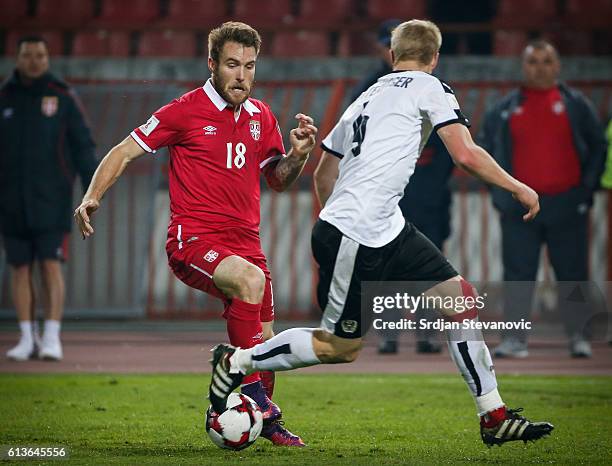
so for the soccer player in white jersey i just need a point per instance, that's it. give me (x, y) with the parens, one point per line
(361, 234)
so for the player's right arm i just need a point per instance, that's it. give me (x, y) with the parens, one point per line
(325, 176)
(110, 169)
(475, 160)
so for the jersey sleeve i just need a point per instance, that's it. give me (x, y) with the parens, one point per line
(441, 106)
(273, 148)
(334, 141)
(163, 128)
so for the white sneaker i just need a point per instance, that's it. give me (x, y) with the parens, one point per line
(23, 351)
(51, 349)
(511, 347)
(580, 348)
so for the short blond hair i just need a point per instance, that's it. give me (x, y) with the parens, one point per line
(416, 39)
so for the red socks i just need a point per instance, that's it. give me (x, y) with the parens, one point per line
(492, 418)
(244, 328)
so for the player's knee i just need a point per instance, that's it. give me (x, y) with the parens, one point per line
(251, 284)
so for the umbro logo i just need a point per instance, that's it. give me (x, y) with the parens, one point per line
(210, 130)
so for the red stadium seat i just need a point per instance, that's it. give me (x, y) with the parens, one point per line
(167, 44)
(55, 41)
(194, 13)
(101, 44)
(127, 13)
(526, 14)
(509, 43)
(63, 13)
(328, 12)
(384, 9)
(12, 12)
(590, 13)
(301, 44)
(263, 13)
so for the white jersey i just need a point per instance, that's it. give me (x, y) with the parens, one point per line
(379, 139)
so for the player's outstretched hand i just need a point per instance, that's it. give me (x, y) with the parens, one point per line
(529, 199)
(303, 137)
(82, 215)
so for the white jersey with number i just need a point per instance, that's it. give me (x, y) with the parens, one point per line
(379, 139)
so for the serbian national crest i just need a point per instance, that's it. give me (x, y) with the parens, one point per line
(255, 129)
(49, 106)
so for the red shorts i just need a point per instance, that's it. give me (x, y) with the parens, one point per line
(193, 259)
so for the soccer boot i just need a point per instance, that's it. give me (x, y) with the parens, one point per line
(279, 436)
(225, 378)
(256, 391)
(506, 425)
(51, 349)
(23, 351)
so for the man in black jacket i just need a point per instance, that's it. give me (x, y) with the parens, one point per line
(549, 136)
(44, 141)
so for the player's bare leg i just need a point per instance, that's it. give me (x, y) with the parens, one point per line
(243, 283)
(22, 291)
(498, 424)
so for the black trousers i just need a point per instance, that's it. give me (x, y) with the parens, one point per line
(564, 231)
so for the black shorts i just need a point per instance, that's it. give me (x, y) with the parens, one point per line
(344, 264)
(28, 247)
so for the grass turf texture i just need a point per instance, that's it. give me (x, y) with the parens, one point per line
(345, 419)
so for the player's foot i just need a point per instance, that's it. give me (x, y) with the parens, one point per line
(511, 347)
(255, 391)
(278, 435)
(51, 349)
(428, 347)
(387, 347)
(580, 347)
(23, 351)
(506, 425)
(225, 378)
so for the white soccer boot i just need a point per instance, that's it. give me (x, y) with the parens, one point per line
(23, 351)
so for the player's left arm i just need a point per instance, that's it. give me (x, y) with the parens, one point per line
(281, 175)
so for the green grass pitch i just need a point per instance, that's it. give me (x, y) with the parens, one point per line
(344, 419)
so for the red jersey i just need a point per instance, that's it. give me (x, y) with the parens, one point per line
(216, 156)
(543, 152)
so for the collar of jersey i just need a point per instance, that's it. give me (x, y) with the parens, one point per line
(221, 103)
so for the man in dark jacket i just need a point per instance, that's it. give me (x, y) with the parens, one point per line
(549, 136)
(44, 141)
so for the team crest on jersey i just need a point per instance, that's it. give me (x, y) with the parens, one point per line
(211, 256)
(49, 105)
(255, 129)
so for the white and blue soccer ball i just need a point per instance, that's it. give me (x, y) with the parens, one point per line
(238, 427)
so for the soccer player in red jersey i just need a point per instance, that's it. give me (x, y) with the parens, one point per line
(219, 141)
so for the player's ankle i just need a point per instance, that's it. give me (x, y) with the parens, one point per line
(494, 417)
(241, 360)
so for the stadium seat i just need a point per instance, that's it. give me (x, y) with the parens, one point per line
(517, 14)
(301, 44)
(263, 13)
(194, 13)
(384, 9)
(101, 44)
(55, 41)
(167, 44)
(590, 13)
(12, 12)
(127, 13)
(336, 12)
(509, 43)
(62, 13)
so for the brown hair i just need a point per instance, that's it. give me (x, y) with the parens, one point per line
(232, 31)
(416, 39)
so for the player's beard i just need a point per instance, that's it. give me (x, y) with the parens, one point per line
(225, 87)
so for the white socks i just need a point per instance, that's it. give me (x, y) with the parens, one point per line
(52, 330)
(27, 335)
(288, 350)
